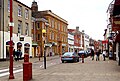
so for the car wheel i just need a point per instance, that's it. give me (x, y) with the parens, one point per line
(62, 61)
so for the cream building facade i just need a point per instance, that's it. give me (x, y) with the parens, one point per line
(21, 31)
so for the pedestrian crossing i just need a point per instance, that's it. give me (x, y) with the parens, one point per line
(5, 72)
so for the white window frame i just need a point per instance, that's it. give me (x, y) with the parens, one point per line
(26, 29)
(26, 13)
(8, 5)
(19, 10)
(20, 27)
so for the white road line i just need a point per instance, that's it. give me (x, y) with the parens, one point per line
(5, 70)
(41, 66)
(7, 73)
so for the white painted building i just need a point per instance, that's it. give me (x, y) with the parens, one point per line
(70, 42)
(86, 41)
(21, 31)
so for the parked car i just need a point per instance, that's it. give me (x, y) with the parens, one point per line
(84, 52)
(70, 56)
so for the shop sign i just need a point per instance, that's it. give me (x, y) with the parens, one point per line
(21, 38)
(105, 41)
(116, 24)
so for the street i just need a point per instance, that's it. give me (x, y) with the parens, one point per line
(89, 71)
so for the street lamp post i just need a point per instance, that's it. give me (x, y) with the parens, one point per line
(11, 76)
(44, 39)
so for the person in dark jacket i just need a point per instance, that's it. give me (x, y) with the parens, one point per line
(98, 54)
(92, 54)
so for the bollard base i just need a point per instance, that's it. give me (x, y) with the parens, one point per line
(26, 71)
(11, 77)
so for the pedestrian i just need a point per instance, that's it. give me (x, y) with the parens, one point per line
(92, 54)
(97, 55)
(19, 53)
(14, 53)
(104, 54)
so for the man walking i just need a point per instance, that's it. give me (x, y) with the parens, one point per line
(104, 54)
(97, 55)
(92, 54)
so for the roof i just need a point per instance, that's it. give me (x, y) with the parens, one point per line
(22, 4)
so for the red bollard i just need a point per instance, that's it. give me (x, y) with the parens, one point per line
(27, 68)
(82, 58)
(25, 71)
(30, 70)
(26, 57)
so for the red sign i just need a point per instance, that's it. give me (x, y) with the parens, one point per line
(117, 2)
(116, 24)
(105, 41)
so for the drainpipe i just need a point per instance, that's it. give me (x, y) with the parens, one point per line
(3, 29)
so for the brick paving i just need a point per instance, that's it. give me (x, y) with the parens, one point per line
(4, 64)
(89, 71)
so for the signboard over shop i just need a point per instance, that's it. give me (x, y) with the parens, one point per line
(116, 24)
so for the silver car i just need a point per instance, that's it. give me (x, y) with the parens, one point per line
(70, 56)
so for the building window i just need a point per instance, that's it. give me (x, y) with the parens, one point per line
(8, 27)
(52, 23)
(20, 27)
(26, 29)
(58, 26)
(19, 10)
(55, 24)
(26, 13)
(32, 25)
(8, 5)
(38, 25)
(38, 37)
(43, 26)
(32, 37)
(52, 36)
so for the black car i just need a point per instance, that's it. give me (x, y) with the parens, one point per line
(70, 56)
(85, 53)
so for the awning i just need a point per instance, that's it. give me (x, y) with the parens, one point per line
(104, 41)
(63, 44)
(26, 45)
(19, 44)
(48, 45)
(34, 44)
(8, 43)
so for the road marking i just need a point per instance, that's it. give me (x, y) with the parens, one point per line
(5, 70)
(7, 73)
(41, 66)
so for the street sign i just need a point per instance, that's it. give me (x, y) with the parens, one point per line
(21, 38)
(116, 24)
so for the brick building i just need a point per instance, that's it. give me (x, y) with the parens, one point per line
(56, 31)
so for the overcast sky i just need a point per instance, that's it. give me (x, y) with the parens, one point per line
(89, 15)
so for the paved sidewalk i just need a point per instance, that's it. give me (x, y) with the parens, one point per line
(88, 71)
(5, 64)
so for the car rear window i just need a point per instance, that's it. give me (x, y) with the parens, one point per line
(68, 54)
(81, 52)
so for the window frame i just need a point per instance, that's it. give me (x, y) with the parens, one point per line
(19, 10)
